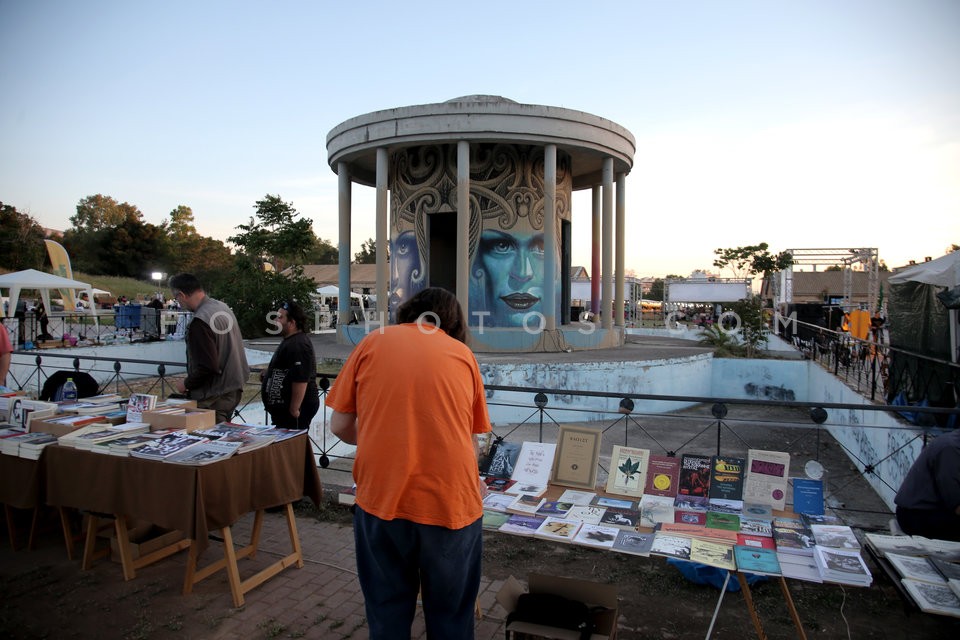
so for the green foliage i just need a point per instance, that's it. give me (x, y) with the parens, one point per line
(253, 293)
(656, 290)
(21, 240)
(755, 259)
(367, 253)
(724, 344)
(322, 252)
(100, 212)
(753, 330)
(275, 235)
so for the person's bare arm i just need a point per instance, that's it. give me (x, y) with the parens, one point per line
(344, 426)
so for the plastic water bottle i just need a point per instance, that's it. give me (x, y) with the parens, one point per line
(70, 390)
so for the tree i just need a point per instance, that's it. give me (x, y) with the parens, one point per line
(274, 235)
(254, 294)
(322, 252)
(754, 259)
(656, 290)
(190, 252)
(21, 240)
(98, 212)
(367, 253)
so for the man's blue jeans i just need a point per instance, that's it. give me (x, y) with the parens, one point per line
(396, 559)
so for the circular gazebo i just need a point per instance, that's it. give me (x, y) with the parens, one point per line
(480, 191)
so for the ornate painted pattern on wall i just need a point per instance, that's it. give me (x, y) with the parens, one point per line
(505, 231)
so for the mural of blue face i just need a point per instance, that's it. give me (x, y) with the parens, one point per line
(509, 277)
(406, 270)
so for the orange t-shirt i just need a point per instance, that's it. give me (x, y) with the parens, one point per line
(419, 399)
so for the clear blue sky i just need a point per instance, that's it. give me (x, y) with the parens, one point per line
(813, 124)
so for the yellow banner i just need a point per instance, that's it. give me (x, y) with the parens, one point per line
(61, 267)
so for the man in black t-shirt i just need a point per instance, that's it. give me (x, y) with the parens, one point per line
(289, 386)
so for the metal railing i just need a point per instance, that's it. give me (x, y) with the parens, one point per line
(726, 423)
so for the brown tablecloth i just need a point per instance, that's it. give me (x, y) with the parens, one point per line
(21, 482)
(192, 499)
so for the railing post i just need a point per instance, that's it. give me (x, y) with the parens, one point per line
(719, 411)
(541, 401)
(626, 408)
(116, 376)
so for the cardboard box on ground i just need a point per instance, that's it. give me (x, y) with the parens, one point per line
(593, 594)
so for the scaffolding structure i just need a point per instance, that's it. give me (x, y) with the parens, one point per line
(847, 259)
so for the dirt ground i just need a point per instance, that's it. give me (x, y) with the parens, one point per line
(43, 595)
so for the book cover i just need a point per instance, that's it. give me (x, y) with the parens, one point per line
(687, 516)
(916, 568)
(620, 518)
(577, 457)
(166, 446)
(493, 520)
(807, 496)
(792, 536)
(694, 479)
(628, 471)
(554, 508)
(593, 535)
(696, 531)
(840, 565)
(933, 598)
(757, 510)
(529, 488)
(837, 536)
(765, 481)
(498, 485)
(498, 501)
(526, 504)
(204, 453)
(714, 554)
(949, 570)
(756, 560)
(663, 474)
(502, 459)
(557, 529)
(726, 481)
(798, 567)
(724, 521)
(586, 513)
(756, 526)
(521, 524)
(759, 542)
(616, 503)
(577, 497)
(534, 463)
(671, 546)
(633, 543)
(656, 509)
(138, 403)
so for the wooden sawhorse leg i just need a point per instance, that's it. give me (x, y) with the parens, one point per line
(127, 562)
(231, 554)
(787, 598)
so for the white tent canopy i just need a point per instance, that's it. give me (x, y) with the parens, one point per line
(942, 272)
(40, 281)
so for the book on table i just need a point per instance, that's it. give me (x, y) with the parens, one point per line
(138, 403)
(757, 560)
(493, 520)
(501, 459)
(121, 446)
(166, 446)
(842, 566)
(916, 568)
(807, 496)
(694, 481)
(628, 471)
(554, 508)
(838, 536)
(11, 446)
(498, 502)
(526, 504)
(799, 567)
(698, 531)
(723, 520)
(711, 553)
(933, 598)
(96, 430)
(498, 485)
(633, 543)
(87, 440)
(656, 509)
(689, 516)
(671, 546)
(756, 526)
(204, 453)
(577, 497)
(522, 524)
(588, 514)
(765, 478)
(757, 542)
(621, 518)
(32, 449)
(792, 536)
(534, 465)
(596, 535)
(248, 441)
(663, 476)
(726, 481)
(557, 529)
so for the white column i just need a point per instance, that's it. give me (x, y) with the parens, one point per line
(549, 302)
(382, 238)
(595, 250)
(618, 272)
(606, 310)
(343, 261)
(463, 225)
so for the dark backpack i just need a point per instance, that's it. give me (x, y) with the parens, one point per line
(554, 611)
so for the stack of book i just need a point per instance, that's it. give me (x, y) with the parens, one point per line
(205, 453)
(31, 449)
(166, 446)
(10, 446)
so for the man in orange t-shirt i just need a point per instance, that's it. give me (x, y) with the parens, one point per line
(411, 398)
